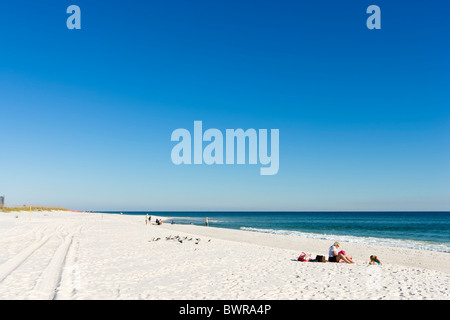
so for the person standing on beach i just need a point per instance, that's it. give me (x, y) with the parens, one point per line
(207, 221)
(334, 256)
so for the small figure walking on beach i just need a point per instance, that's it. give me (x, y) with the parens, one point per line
(207, 221)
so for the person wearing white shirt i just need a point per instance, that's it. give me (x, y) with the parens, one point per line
(334, 256)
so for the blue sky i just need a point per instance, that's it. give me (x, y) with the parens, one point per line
(87, 115)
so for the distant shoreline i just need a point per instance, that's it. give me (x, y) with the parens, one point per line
(414, 230)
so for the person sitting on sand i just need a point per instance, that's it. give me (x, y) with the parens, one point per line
(375, 261)
(334, 256)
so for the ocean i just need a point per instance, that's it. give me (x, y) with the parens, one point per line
(415, 230)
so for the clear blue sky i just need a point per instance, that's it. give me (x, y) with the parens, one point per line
(364, 115)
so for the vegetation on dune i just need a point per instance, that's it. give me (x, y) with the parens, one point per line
(33, 208)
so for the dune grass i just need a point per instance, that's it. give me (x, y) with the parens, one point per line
(33, 208)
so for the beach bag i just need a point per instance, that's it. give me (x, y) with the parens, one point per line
(304, 257)
(320, 258)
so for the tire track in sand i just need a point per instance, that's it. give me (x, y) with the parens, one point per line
(9, 266)
(48, 282)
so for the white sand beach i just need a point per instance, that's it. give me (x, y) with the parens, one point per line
(69, 255)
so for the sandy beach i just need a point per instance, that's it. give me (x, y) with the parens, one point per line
(77, 256)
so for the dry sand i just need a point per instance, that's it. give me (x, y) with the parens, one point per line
(67, 255)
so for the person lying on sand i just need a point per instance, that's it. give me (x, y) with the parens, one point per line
(334, 256)
(375, 261)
